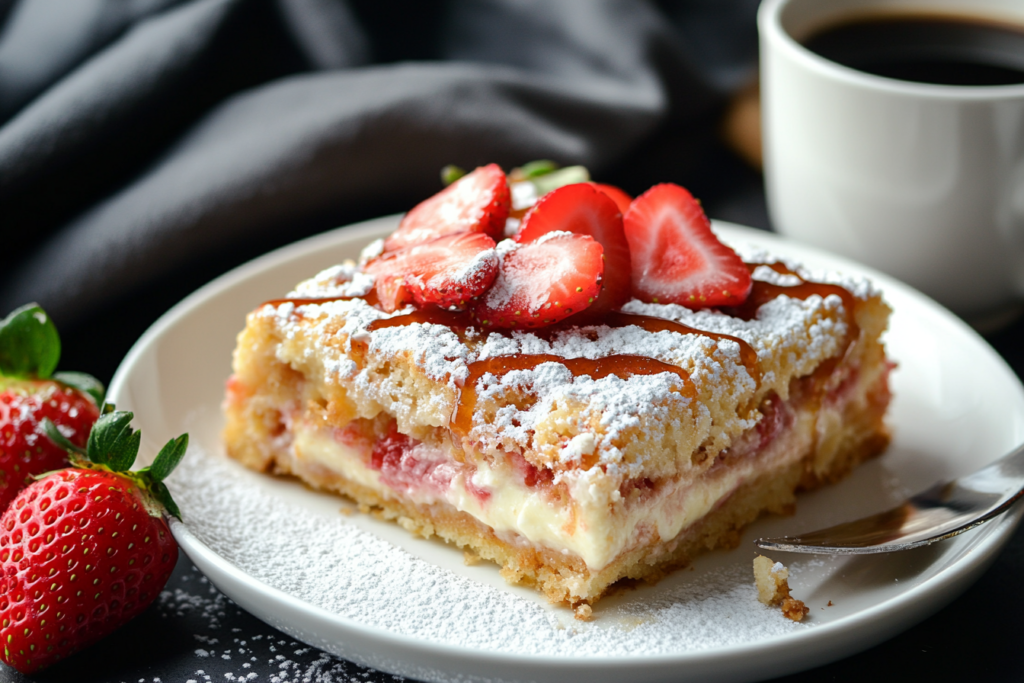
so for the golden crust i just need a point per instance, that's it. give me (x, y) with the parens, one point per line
(862, 434)
(318, 364)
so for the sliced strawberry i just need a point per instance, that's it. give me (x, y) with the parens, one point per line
(477, 202)
(676, 257)
(543, 282)
(448, 271)
(584, 210)
(621, 199)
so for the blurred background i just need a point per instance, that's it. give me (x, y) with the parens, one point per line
(147, 146)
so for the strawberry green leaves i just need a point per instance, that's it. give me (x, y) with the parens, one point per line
(29, 343)
(533, 169)
(113, 446)
(30, 350)
(87, 384)
(113, 442)
(555, 179)
(166, 460)
(169, 457)
(163, 465)
(546, 175)
(51, 431)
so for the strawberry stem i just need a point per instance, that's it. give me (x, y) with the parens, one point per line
(451, 173)
(532, 169)
(569, 175)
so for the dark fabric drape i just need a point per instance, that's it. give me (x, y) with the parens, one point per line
(147, 144)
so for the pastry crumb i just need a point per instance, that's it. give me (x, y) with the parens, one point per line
(794, 609)
(584, 612)
(469, 558)
(772, 579)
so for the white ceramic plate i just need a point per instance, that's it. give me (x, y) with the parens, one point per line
(957, 406)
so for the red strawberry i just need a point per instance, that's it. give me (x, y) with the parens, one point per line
(85, 549)
(24, 449)
(584, 210)
(448, 271)
(29, 352)
(542, 282)
(477, 202)
(621, 199)
(676, 258)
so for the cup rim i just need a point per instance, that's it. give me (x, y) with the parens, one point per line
(771, 31)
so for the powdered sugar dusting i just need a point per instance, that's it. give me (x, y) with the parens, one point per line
(861, 287)
(358, 576)
(529, 272)
(344, 279)
(483, 262)
(790, 336)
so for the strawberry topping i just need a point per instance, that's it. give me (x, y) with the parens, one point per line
(621, 199)
(585, 210)
(676, 258)
(448, 271)
(477, 202)
(542, 282)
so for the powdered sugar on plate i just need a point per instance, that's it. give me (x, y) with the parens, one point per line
(328, 562)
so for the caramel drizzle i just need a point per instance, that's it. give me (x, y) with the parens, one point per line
(762, 292)
(598, 368)
(748, 356)
(623, 365)
(370, 298)
(458, 321)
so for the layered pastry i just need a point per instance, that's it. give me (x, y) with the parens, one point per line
(527, 401)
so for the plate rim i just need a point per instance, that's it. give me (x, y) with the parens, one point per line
(831, 641)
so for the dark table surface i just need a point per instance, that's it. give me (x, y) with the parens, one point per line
(195, 633)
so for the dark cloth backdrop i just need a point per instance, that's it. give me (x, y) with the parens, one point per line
(147, 145)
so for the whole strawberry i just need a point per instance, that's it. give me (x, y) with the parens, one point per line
(30, 392)
(85, 549)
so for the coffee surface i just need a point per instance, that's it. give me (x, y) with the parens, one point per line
(927, 49)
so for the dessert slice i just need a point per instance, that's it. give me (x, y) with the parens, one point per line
(594, 448)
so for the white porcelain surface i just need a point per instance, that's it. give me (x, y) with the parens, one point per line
(924, 182)
(957, 406)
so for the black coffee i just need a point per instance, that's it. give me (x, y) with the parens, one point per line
(927, 49)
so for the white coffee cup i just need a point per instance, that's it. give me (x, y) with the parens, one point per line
(925, 182)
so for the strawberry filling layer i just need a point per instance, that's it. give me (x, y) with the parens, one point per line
(575, 512)
(408, 466)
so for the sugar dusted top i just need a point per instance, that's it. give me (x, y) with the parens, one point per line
(540, 411)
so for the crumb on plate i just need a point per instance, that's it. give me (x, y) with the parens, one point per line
(772, 579)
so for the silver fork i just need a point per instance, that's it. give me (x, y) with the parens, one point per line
(943, 511)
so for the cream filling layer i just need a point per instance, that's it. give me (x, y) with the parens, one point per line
(598, 528)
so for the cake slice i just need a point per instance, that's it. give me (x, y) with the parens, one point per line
(576, 454)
